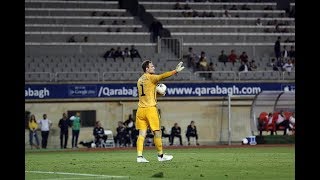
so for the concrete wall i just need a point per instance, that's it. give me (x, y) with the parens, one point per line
(211, 117)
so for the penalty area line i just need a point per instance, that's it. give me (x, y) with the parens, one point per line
(78, 178)
(77, 174)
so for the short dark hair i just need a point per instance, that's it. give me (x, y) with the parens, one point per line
(145, 64)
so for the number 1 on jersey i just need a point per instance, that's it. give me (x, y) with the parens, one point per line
(142, 92)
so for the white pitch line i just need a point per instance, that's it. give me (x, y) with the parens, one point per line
(76, 178)
(77, 174)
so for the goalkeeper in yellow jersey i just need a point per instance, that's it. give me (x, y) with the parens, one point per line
(147, 114)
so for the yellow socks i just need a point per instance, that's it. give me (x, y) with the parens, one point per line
(140, 142)
(158, 144)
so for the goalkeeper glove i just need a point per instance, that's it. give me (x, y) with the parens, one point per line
(179, 67)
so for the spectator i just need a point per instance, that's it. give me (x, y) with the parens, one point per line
(134, 53)
(203, 63)
(71, 39)
(232, 57)
(45, 129)
(64, 124)
(120, 138)
(118, 53)
(126, 53)
(33, 126)
(292, 122)
(129, 124)
(244, 57)
(281, 121)
(226, 14)
(164, 134)
(264, 122)
(288, 66)
(98, 134)
(176, 132)
(110, 54)
(274, 65)
(252, 65)
(270, 121)
(211, 67)
(292, 53)
(155, 29)
(76, 123)
(285, 53)
(277, 50)
(277, 29)
(192, 132)
(222, 57)
(244, 67)
(191, 58)
(258, 22)
(85, 39)
(280, 64)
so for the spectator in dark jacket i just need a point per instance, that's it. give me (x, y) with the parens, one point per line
(64, 125)
(110, 54)
(155, 29)
(134, 53)
(99, 136)
(192, 132)
(164, 134)
(277, 50)
(176, 132)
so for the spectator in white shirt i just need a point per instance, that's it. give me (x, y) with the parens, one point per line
(282, 121)
(45, 125)
(285, 53)
(292, 121)
(288, 66)
(258, 22)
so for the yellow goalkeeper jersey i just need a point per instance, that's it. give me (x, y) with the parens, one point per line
(147, 88)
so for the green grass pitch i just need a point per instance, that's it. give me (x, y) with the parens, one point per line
(254, 162)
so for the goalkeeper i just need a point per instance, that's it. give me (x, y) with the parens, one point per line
(147, 112)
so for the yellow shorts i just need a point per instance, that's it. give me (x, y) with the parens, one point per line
(148, 117)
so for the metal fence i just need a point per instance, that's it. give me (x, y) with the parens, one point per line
(134, 75)
(170, 48)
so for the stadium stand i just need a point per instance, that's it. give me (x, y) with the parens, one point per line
(96, 26)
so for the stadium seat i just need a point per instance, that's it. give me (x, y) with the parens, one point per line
(110, 141)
